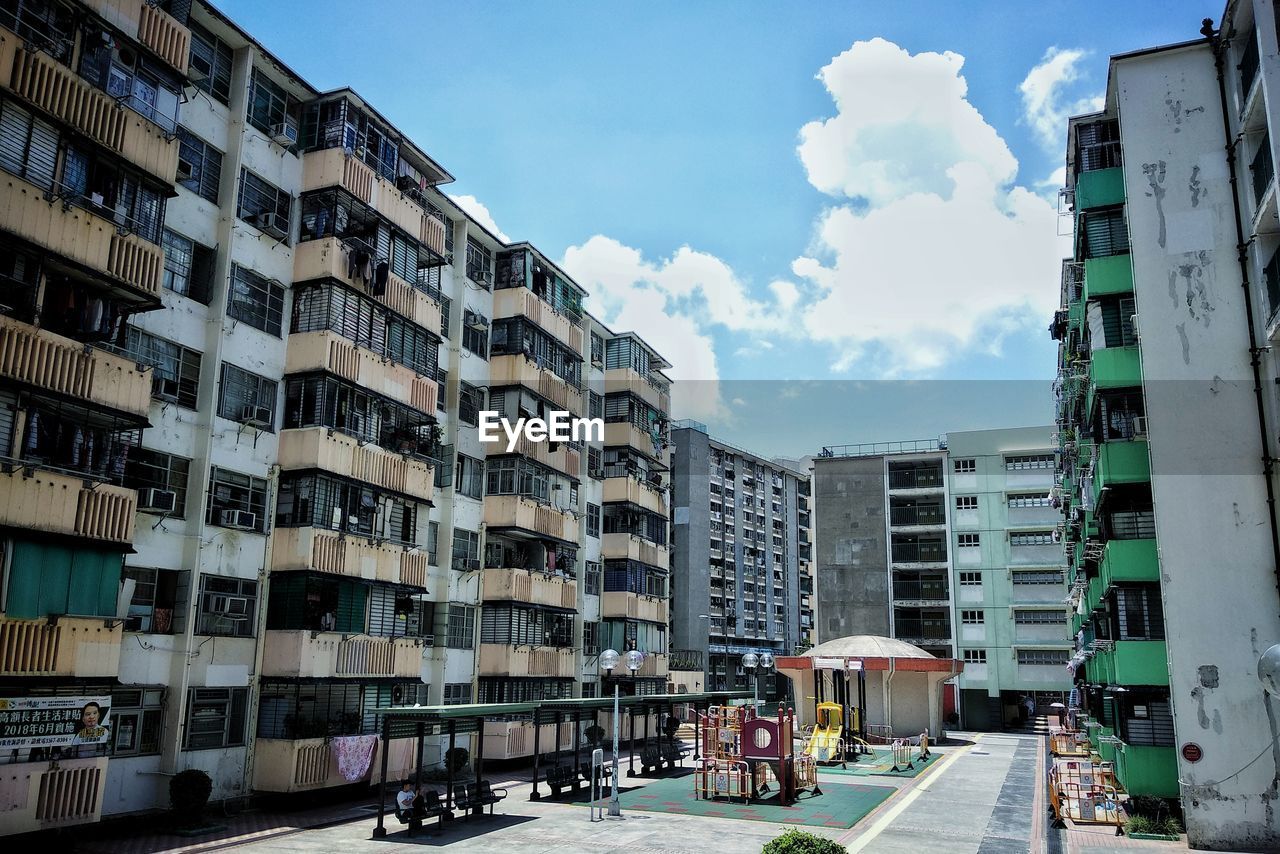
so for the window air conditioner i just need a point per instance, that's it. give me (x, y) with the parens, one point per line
(196, 75)
(271, 223)
(241, 520)
(285, 134)
(185, 171)
(157, 500)
(1133, 323)
(256, 416)
(226, 606)
(1140, 425)
(164, 388)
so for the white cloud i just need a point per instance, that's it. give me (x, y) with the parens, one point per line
(477, 211)
(1043, 104)
(901, 121)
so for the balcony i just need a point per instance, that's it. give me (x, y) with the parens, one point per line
(62, 504)
(327, 258)
(328, 351)
(1116, 367)
(634, 548)
(655, 665)
(1110, 275)
(69, 647)
(624, 433)
(92, 242)
(563, 459)
(1131, 662)
(52, 795)
(354, 557)
(497, 659)
(324, 655)
(318, 448)
(918, 516)
(332, 167)
(1100, 188)
(1129, 560)
(522, 302)
(620, 604)
(514, 511)
(921, 480)
(306, 764)
(635, 491)
(55, 89)
(922, 631)
(519, 370)
(514, 739)
(523, 585)
(1121, 462)
(655, 393)
(50, 362)
(159, 31)
(918, 592)
(928, 551)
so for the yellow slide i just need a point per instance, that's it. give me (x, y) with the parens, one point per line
(824, 743)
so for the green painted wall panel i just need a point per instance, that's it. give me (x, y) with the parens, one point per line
(1148, 770)
(1141, 663)
(1110, 275)
(1130, 560)
(47, 579)
(1116, 367)
(1099, 188)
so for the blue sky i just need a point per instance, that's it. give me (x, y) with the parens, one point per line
(612, 135)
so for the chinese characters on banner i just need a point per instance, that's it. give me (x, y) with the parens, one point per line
(27, 722)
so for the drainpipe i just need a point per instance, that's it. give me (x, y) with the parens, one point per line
(888, 701)
(1216, 44)
(260, 640)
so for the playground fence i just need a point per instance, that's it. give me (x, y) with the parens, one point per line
(716, 778)
(879, 734)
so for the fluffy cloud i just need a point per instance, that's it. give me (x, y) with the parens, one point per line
(901, 122)
(1044, 105)
(477, 211)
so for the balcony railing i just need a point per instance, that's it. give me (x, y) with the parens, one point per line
(920, 552)
(920, 590)
(930, 478)
(922, 628)
(1262, 169)
(41, 500)
(931, 514)
(1133, 525)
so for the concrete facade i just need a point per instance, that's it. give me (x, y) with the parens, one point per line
(852, 547)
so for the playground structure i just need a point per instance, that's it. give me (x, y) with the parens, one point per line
(1082, 786)
(838, 735)
(743, 754)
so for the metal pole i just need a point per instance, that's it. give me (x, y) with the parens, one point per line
(480, 759)
(448, 767)
(537, 750)
(615, 806)
(380, 831)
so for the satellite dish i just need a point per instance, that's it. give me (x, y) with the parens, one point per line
(1269, 670)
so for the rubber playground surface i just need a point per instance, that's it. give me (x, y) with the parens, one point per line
(840, 805)
(879, 764)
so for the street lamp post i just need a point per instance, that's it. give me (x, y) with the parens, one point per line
(609, 660)
(751, 661)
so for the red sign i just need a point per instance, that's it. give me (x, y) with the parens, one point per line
(1192, 752)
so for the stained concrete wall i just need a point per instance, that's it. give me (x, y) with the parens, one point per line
(691, 532)
(851, 549)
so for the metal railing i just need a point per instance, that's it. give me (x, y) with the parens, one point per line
(922, 551)
(926, 514)
(920, 590)
(922, 628)
(1133, 525)
(872, 449)
(915, 478)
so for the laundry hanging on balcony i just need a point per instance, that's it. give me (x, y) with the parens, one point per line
(354, 755)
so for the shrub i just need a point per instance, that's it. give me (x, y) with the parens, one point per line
(1170, 826)
(594, 735)
(1140, 824)
(800, 842)
(188, 793)
(457, 758)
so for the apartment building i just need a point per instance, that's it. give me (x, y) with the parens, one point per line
(243, 349)
(1008, 575)
(740, 575)
(1167, 414)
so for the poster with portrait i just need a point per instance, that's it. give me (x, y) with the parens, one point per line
(28, 722)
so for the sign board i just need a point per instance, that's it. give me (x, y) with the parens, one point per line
(725, 735)
(27, 722)
(854, 665)
(828, 663)
(1192, 752)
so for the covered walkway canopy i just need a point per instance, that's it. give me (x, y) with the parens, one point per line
(421, 721)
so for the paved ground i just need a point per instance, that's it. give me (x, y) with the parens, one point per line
(978, 797)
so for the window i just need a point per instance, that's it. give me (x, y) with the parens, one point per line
(461, 626)
(366, 323)
(188, 266)
(966, 502)
(209, 68)
(1039, 618)
(525, 625)
(256, 300)
(457, 693)
(597, 349)
(1102, 233)
(215, 717)
(28, 145)
(967, 541)
(148, 469)
(1031, 538)
(470, 479)
(466, 549)
(965, 466)
(132, 78)
(323, 400)
(1039, 576)
(199, 165)
(433, 543)
(155, 593)
(470, 402)
(442, 390)
(231, 491)
(479, 263)
(975, 656)
(138, 718)
(227, 606)
(595, 405)
(592, 578)
(971, 578)
(247, 398)
(590, 638)
(176, 374)
(263, 205)
(475, 333)
(1056, 657)
(1029, 462)
(972, 618)
(269, 104)
(595, 462)
(593, 520)
(104, 186)
(1035, 499)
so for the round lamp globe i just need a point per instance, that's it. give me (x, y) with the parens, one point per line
(609, 659)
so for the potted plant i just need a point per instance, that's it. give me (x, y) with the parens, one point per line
(188, 794)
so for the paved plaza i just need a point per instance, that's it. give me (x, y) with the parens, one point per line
(979, 795)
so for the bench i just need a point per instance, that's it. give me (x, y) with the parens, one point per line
(561, 777)
(674, 754)
(650, 759)
(473, 798)
(427, 806)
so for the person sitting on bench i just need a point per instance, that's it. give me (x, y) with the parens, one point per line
(407, 802)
